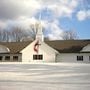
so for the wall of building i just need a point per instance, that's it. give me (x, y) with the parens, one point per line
(3, 55)
(49, 54)
(72, 57)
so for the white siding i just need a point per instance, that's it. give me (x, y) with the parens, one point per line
(49, 54)
(72, 57)
(11, 57)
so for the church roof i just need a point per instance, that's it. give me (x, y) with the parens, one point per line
(63, 46)
(15, 47)
(68, 46)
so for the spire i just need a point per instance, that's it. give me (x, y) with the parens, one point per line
(39, 35)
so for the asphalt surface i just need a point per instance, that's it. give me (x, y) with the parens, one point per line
(49, 76)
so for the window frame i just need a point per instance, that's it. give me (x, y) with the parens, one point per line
(89, 58)
(1, 58)
(38, 57)
(79, 58)
(15, 58)
(7, 57)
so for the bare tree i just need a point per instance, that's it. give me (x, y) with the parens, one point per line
(17, 34)
(1, 35)
(33, 30)
(4, 35)
(69, 35)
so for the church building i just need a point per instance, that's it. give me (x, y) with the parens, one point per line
(45, 51)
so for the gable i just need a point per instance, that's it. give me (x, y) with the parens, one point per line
(48, 48)
(4, 49)
(45, 47)
(86, 48)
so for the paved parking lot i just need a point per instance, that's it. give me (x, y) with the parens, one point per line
(50, 76)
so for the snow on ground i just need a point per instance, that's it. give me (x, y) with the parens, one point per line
(44, 76)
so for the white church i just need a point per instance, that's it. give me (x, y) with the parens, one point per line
(45, 51)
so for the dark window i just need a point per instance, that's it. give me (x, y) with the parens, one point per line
(37, 57)
(41, 57)
(1, 57)
(89, 58)
(79, 58)
(15, 58)
(7, 57)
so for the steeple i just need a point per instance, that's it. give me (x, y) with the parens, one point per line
(39, 34)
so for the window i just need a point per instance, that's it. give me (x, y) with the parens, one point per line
(7, 58)
(15, 58)
(79, 58)
(89, 58)
(1, 58)
(37, 57)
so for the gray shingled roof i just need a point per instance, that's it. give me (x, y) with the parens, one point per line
(63, 46)
(68, 46)
(15, 47)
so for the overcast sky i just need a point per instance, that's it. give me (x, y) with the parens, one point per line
(57, 15)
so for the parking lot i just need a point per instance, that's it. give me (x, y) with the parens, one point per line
(49, 76)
